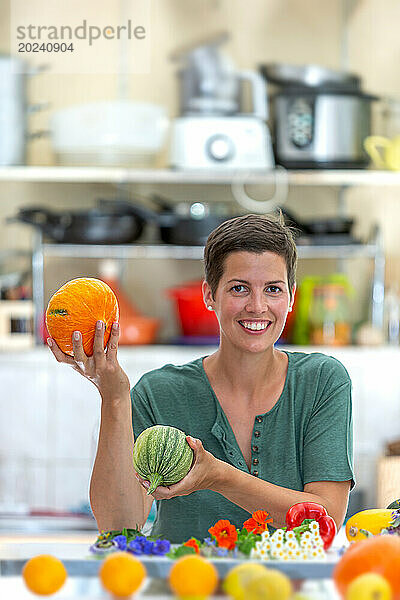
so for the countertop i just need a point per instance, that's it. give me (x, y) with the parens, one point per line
(82, 582)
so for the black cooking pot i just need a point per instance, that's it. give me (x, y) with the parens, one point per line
(110, 225)
(183, 224)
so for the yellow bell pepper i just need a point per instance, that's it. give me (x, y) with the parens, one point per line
(373, 520)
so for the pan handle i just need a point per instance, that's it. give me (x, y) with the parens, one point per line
(280, 176)
(42, 218)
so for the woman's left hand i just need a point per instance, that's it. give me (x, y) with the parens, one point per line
(200, 477)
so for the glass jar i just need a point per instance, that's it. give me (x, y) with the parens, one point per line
(329, 317)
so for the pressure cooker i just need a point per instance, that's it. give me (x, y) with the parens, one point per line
(320, 117)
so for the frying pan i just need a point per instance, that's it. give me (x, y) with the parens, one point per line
(326, 226)
(110, 225)
(186, 224)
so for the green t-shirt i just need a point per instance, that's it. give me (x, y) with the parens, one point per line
(306, 436)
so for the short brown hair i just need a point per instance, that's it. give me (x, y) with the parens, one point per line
(249, 233)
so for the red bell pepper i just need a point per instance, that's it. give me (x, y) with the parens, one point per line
(311, 510)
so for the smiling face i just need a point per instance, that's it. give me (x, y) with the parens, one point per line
(252, 300)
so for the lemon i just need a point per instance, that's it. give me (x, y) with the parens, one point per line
(44, 574)
(121, 574)
(239, 577)
(369, 586)
(271, 585)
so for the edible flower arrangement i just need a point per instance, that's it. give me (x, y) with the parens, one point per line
(308, 533)
(129, 540)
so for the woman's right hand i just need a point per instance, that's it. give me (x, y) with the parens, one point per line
(102, 368)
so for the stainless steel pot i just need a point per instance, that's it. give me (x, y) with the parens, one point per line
(14, 110)
(320, 117)
(321, 129)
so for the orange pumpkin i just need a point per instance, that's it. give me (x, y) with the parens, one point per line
(379, 554)
(77, 306)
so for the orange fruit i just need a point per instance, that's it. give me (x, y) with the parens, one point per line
(379, 554)
(121, 574)
(44, 574)
(193, 576)
(77, 306)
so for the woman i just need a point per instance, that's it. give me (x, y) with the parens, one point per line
(268, 428)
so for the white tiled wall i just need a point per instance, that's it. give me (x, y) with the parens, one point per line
(49, 418)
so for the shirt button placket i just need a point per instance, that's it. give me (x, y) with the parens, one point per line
(254, 447)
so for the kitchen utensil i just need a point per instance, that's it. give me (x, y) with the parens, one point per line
(14, 110)
(214, 129)
(185, 223)
(94, 226)
(329, 316)
(321, 125)
(139, 330)
(324, 226)
(385, 152)
(16, 324)
(194, 318)
(109, 133)
(310, 307)
(135, 329)
(211, 85)
(220, 143)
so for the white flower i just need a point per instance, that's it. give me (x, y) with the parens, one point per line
(277, 545)
(291, 545)
(314, 526)
(259, 545)
(305, 543)
(290, 535)
(254, 553)
(306, 536)
(265, 535)
(267, 546)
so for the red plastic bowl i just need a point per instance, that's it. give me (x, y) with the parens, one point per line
(194, 318)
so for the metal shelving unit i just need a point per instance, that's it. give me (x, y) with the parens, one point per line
(341, 179)
(118, 175)
(372, 250)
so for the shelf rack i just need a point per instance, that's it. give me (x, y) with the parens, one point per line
(372, 250)
(57, 174)
(123, 176)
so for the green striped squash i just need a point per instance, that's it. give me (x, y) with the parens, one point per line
(162, 456)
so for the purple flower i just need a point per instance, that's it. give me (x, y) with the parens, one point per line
(140, 545)
(120, 540)
(209, 542)
(222, 551)
(161, 547)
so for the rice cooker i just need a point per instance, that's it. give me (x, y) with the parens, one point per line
(320, 117)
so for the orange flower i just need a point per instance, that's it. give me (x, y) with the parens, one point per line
(192, 543)
(225, 534)
(258, 522)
